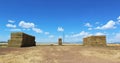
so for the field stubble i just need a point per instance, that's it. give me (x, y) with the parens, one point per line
(60, 54)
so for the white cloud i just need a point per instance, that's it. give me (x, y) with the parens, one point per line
(11, 21)
(47, 33)
(24, 24)
(60, 29)
(99, 33)
(82, 33)
(10, 25)
(37, 30)
(118, 18)
(77, 37)
(118, 22)
(108, 25)
(51, 36)
(29, 25)
(88, 25)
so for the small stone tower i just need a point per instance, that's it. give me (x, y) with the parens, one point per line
(60, 41)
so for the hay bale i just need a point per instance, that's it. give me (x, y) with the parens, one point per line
(95, 41)
(20, 39)
(60, 41)
(84, 41)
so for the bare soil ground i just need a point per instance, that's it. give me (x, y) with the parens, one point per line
(60, 54)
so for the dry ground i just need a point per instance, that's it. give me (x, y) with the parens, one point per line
(60, 54)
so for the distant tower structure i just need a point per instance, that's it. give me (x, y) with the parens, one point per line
(60, 41)
(95, 41)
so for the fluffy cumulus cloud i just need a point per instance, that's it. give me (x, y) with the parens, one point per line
(24, 24)
(29, 25)
(37, 30)
(109, 25)
(60, 29)
(10, 26)
(11, 21)
(99, 34)
(88, 25)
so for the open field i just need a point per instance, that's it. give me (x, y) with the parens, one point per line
(60, 54)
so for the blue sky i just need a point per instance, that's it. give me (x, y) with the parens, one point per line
(47, 20)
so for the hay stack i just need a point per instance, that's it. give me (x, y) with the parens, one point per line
(84, 41)
(60, 41)
(95, 41)
(20, 39)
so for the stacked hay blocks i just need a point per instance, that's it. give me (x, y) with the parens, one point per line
(20, 39)
(95, 41)
(60, 41)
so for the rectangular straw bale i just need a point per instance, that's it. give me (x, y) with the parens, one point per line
(95, 41)
(20, 39)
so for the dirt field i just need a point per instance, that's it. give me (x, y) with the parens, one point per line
(60, 54)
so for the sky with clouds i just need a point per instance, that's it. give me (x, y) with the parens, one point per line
(49, 20)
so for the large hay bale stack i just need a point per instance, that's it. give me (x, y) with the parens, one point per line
(20, 39)
(60, 41)
(95, 41)
(84, 41)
